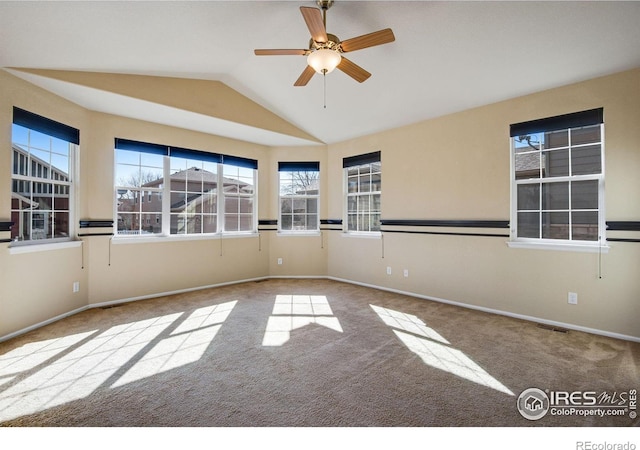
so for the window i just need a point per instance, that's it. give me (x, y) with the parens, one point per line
(363, 177)
(299, 194)
(42, 178)
(138, 174)
(238, 192)
(191, 202)
(194, 192)
(558, 179)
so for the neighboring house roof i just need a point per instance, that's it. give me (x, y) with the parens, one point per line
(196, 174)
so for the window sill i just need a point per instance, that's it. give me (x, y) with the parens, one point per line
(568, 247)
(44, 247)
(365, 235)
(178, 238)
(298, 233)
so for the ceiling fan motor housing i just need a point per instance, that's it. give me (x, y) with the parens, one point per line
(333, 43)
(324, 4)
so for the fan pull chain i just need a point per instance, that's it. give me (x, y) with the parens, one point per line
(324, 81)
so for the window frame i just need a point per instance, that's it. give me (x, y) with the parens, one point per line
(360, 161)
(165, 190)
(568, 123)
(287, 167)
(52, 130)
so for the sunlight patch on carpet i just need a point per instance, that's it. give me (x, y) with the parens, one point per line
(292, 312)
(186, 344)
(434, 350)
(76, 369)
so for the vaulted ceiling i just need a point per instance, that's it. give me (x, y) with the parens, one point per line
(447, 56)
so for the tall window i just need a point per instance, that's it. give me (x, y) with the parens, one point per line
(169, 190)
(299, 193)
(238, 189)
(139, 175)
(194, 192)
(42, 182)
(558, 178)
(363, 181)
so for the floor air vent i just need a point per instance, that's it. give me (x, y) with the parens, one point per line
(552, 328)
(111, 306)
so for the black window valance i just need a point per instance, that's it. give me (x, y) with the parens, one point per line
(142, 147)
(44, 125)
(179, 152)
(358, 160)
(572, 120)
(240, 162)
(298, 166)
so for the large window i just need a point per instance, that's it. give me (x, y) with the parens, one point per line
(363, 181)
(42, 178)
(162, 190)
(299, 193)
(558, 179)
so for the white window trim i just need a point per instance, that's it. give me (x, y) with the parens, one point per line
(549, 244)
(558, 244)
(160, 238)
(35, 245)
(299, 233)
(345, 208)
(166, 235)
(363, 234)
(43, 247)
(305, 232)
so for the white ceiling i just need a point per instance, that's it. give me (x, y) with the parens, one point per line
(448, 56)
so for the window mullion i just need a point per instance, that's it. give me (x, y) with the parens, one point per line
(540, 211)
(166, 196)
(221, 200)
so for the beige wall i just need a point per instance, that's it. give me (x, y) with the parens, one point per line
(457, 167)
(129, 270)
(35, 287)
(452, 167)
(304, 255)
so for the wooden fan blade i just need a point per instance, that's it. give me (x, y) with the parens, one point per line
(280, 51)
(353, 70)
(368, 40)
(313, 18)
(306, 75)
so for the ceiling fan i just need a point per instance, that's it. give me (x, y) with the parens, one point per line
(325, 50)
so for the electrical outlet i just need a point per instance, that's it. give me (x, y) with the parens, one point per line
(406, 272)
(573, 298)
(388, 270)
(76, 286)
(279, 261)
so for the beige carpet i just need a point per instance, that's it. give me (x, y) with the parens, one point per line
(300, 353)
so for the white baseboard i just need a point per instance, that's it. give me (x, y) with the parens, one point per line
(167, 293)
(554, 323)
(43, 323)
(120, 301)
(568, 326)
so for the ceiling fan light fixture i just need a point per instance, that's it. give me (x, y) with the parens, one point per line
(324, 60)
